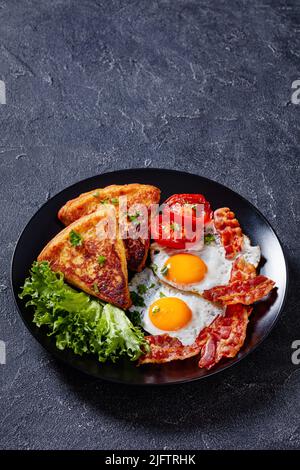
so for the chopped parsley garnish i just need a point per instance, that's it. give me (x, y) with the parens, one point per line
(142, 288)
(137, 300)
(133, 218)
(75, 238)
(209, 238)
(104, 201)
(97, 194)
(101, 260)
(95, 287)
(154, 267)
(164, 270)
(155, 309)
(114, 200)
(161, 295)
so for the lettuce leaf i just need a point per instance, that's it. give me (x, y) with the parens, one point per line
(78, 321)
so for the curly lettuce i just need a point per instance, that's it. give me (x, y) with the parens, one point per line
(78, 321)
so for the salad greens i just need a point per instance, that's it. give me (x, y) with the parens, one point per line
(78, 321)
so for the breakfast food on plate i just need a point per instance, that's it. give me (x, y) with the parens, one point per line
(244, 292)
(175, 234)
(86, 203)
(222, 339)
(97, 266)
(163, 309)
(233, 283)
(192, 299)
(89, 202)
(197, 271)
(77, 320)
(229, 231)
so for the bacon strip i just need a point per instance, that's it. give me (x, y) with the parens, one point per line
(229, 230)
(164, 348)
(245, 292)
(242, 270)
(223, 338)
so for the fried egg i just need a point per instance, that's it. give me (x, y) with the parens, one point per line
(196, 271)
(164, 309)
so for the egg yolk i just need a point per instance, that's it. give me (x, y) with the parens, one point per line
(185, 268)
(170, 313)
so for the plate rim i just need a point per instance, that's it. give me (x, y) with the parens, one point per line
(153, 384)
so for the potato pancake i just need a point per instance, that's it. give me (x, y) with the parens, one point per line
(97, 266)
(87, 203)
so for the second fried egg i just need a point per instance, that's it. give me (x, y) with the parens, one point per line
(163, 309)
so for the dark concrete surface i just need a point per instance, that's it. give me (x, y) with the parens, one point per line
(202, 86)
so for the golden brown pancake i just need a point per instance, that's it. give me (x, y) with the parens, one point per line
(97, 266)
(87, 203)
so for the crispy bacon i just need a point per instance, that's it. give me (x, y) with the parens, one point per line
(223, 338)
(164, 348)
(242, 270)
(245, 292)
(244, 287)
(229, 230)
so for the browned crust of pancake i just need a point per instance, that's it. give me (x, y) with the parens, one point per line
(136, 253)
(87, 203)
(80, 265)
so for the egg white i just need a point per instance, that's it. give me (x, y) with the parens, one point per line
(203, 311)
(218, 266)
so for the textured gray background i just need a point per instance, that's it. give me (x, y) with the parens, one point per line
(202, 86)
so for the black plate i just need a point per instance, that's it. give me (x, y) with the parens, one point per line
(44, 225)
